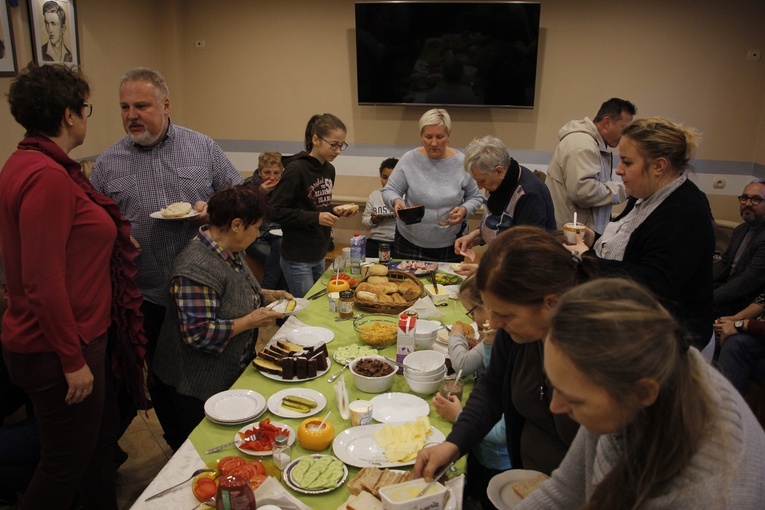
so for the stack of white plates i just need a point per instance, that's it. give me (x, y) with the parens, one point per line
(234, 407)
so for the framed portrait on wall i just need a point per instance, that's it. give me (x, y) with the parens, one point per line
(7, 49)
(53, 25)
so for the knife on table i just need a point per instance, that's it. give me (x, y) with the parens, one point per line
(317, 294)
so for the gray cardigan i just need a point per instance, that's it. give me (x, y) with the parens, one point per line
(726, 473)
(190, 371)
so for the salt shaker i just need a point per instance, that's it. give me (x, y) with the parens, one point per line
(282, 454)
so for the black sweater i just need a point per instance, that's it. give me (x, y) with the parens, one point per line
(304, 191)
(671, 254)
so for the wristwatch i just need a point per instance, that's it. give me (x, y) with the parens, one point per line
(739, 325)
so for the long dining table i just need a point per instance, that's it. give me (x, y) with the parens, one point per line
(208, 434)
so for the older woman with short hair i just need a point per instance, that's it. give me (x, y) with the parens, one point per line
(515, 195)
(69, 266)
(216, 306)
(432, 176)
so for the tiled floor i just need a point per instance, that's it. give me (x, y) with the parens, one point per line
(147, 454)
(147, 450)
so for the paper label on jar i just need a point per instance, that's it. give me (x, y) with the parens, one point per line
(345, 307)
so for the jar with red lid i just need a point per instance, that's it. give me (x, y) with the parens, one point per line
(234, 493)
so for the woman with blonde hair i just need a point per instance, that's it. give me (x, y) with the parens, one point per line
(432, 175)
(664, 239)
(660, 427)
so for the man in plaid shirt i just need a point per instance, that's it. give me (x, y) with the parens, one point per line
(156, 164)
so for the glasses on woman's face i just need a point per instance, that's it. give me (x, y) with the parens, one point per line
(469, 313)
(335, 145)
(755, 199)
(89, 107)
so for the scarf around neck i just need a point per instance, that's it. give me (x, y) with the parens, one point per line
(128, 349)
(500, 197)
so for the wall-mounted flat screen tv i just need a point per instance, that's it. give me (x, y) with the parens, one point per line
(481, 54)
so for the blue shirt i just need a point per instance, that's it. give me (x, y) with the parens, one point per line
(185, 166)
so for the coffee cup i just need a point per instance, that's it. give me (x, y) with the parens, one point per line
(449, 388)
(361, 412)
(571, 229)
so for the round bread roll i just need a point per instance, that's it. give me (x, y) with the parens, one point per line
(409, 290)
(469, 331)
(456, 267)
(348, 207)
(367, 297)
(176, 210)
(377, 279)
(378, 270)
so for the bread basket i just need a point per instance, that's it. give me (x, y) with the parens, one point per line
(391, 308)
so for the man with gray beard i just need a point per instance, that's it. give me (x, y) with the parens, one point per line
(156, 164)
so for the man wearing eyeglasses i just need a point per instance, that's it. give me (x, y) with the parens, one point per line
(739, 276)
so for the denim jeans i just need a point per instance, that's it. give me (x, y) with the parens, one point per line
(742, 357)
(76, 441)
(301, 275)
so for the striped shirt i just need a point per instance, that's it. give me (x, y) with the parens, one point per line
(198, 304)
(185, 166)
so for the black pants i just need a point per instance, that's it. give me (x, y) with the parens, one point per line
(178, 414)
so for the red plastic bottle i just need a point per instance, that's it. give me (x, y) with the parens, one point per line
(234, 493)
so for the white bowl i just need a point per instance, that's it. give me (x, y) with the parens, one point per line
(423, 388)
(425, 362)
(415, 376)
(372, 384)
(425, 334)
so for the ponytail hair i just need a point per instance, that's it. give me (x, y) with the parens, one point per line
(617, 333)
(321, 125)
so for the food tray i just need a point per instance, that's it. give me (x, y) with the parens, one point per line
(392, 308)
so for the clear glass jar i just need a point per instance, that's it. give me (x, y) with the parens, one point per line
(282, 453)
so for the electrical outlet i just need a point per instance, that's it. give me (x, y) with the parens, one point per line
(719, 183)
(753, 55)
(200, 44)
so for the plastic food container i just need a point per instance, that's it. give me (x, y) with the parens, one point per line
(440, 299)
(402, 496)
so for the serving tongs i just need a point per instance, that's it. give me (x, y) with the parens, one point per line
(433, 281)
(317, 295)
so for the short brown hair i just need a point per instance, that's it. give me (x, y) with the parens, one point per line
(40, 95)
(270, 158)
(240, 201)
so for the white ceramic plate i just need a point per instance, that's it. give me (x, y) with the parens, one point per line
(275, 402)
(310, 336)
(500, 490)
(398, 407)
(443, 335)
(300, 305)
(157, 215)
(237, 438)
(234, 406)
(279, 378)
(356, 446)
(295, 487)
(239, 423)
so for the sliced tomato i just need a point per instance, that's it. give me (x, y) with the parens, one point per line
(257, 480)
(227, 463)
(205, 489)
(260, 469)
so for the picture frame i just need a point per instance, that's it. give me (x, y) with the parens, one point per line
(53, 25)
(8, 66)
